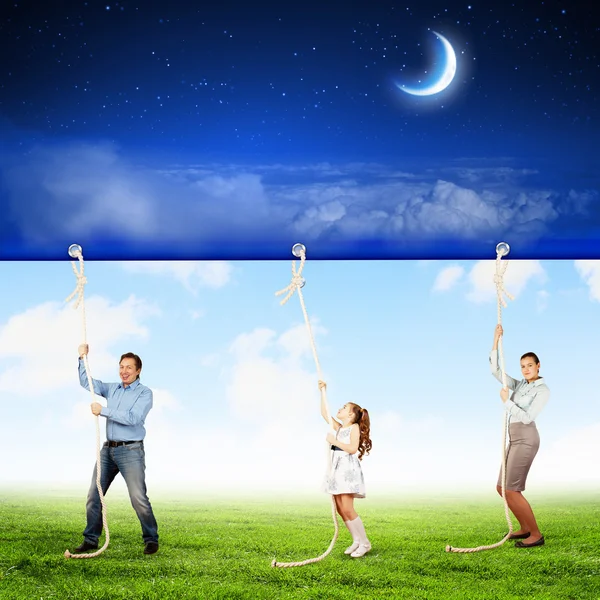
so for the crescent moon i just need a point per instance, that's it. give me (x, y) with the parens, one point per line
(446, 77)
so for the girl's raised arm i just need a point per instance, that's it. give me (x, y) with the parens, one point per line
(323, 387)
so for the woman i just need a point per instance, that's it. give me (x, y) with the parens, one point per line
(528, 399)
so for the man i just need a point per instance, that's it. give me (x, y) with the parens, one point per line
(128, 405)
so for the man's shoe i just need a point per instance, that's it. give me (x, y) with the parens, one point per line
(85, 547)
(151, 548)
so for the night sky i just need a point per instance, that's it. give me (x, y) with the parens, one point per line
(269, 88)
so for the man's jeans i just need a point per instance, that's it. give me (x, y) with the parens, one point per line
(130, 462)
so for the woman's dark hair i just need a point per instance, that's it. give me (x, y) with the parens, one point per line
(531, 355)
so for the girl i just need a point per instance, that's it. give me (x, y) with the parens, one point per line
(345, 479)
(529, 397)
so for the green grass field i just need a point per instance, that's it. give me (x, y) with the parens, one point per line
(223, 549)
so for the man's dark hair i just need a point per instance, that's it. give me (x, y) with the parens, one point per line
(138, 360)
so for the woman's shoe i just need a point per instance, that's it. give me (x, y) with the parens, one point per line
(539, 542)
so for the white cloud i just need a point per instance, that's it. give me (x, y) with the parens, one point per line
(80, 415)
(447, 278)
(40, 344)
(570, 459)
(83, 188)
(542, 300)
(501, 175)
(269, 380)
(518, 273)
(210, 360)
(263, 388)
(252, 344)
(296, 340)
(191, 274)
(164, 401)
(451, 208)
(392, 421)
(424, 209)
(242, 458)
(446, 451)
(85, 192)
(589, 271)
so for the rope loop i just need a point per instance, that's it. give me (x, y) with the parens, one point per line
(81, 282)
(499, 281)
(297, 280)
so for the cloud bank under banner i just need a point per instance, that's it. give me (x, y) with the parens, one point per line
(117, 210)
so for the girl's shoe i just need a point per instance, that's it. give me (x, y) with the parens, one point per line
(351, 549)
(361, 550)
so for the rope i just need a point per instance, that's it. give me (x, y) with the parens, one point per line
(296, 286)
(318, 558)
(79, 293)
(499, 281)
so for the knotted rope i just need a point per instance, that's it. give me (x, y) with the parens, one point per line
(78, 292)
(296, 286)
(499, 282)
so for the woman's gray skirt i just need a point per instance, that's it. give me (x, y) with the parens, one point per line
(524, 444)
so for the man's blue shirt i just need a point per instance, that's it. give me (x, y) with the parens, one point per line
(127, 407)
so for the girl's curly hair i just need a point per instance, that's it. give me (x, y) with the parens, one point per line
(361, 418)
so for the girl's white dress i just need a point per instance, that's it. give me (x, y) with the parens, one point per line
(345, 475)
